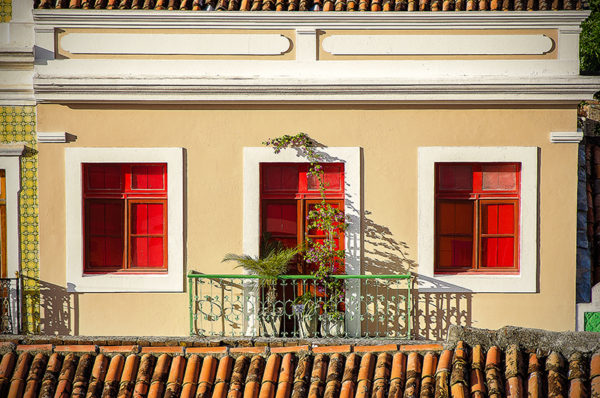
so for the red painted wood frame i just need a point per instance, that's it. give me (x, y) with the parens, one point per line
(287, 193)
(125, 217)
(477, 207)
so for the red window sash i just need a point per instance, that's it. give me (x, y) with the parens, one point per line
(129, 196)
(479, 197)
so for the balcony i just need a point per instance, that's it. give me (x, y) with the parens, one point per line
(10, 305)
(301, 306)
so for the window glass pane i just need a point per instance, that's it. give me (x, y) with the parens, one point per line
(455, 177)
(155, 252)
(155, 218)
(278, 177)
(455, 252)
(104, 233)
(139, 252)
(499, 177)
(147, 177)
(139, 218)
(498, 218)
(333, 175)
(455, 217)
(497, 252)
(103, 176)
(280, 218)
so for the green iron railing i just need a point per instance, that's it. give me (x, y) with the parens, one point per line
(301, 306)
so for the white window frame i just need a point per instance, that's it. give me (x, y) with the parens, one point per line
(10, 161)
(350, 156)
(77, 281)
(523, 282)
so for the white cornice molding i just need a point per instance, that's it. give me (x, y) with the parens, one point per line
(12, 150)
(571, 90)
(566, 137)
(282, 20)
(54, 137)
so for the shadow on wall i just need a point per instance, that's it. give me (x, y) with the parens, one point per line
(433, 312)
(59, 310)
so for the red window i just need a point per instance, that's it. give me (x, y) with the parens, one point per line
(477, 217)
(125, 217)
(288, 193)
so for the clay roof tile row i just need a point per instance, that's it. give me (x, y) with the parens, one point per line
(317, 5)
(462, 372)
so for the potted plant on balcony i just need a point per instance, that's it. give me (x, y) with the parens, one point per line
(322, 253)
(305, 308)
(268, 267)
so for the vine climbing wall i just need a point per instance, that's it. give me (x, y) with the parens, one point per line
(17, 125)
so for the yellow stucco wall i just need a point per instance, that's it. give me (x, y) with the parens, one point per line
(214, 136)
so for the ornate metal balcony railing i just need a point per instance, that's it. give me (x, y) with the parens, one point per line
(10, 305)
(301, 306)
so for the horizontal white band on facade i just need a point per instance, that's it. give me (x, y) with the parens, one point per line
(566, 137)
(379, 20)
(437, 44)
(574, 89)
(175, 43)
(44, 137)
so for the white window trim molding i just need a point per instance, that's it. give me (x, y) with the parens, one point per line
(526, 280)
(77, 281)
(52, 137)
(350, 156)
(10, 161)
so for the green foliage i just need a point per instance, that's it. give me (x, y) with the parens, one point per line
(589, 44)
(275, 263)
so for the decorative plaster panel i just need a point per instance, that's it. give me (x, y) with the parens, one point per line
(169, 43)
(437, 44)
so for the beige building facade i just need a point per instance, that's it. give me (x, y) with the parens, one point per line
(394, 97)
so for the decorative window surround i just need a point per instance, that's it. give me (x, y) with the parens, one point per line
(525, 281)
(350, 156)
(59, 137)
(11, 162)
(567, 137)
(169, 282)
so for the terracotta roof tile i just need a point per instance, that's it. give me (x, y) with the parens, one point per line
(113, 376)
(34, 377)
(190, 377)
(17, 382)
(365, 376)
(207, 377)
(223, 377)
(413, 375)
(314, 5)
(330, 349)
(397, 376)
(318, 376)
(296, 348)
(302, 377)
(269, 381)
(555, 367)
(286, 376)
(427, 376)
(238, 376)
(82, 376)
(144, 375)
(6, 370)
(254, 377)
(335, 371)
(50, 379)
(128, 377)
(99, 370)
(175, 378)
(464, 371)
(65, 379)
